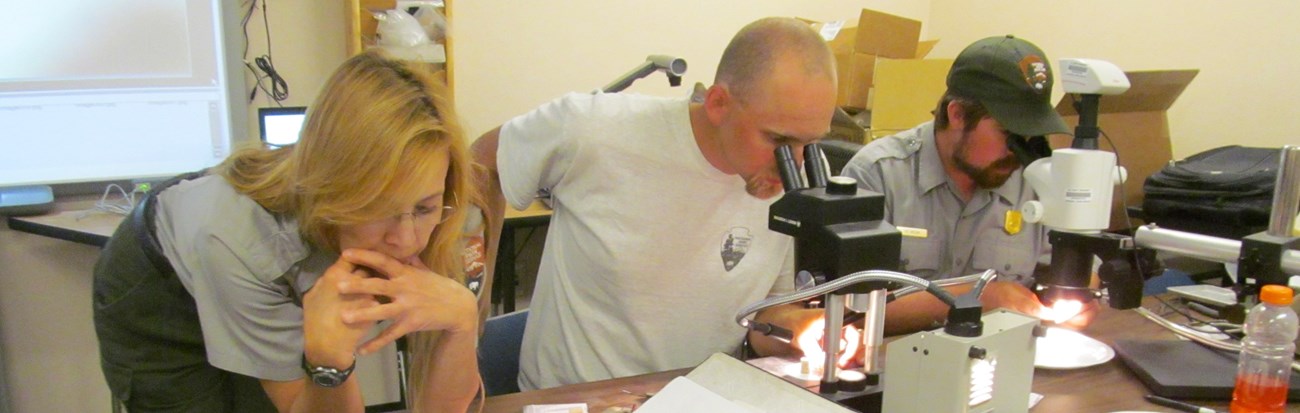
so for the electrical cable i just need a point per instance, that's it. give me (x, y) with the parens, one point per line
(279, 87)
(124, 207)
(263, 67)
(1195, 335)
(1216, 323)
(1123, 195)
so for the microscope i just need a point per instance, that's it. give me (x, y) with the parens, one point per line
(839, 230)
(975, 363)
(983, 363)
(1075, 187)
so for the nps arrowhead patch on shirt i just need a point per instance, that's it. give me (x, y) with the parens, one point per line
(734, 246)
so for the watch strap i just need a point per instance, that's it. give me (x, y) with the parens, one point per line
(327, 376)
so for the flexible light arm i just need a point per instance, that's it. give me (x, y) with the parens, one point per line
(674, 67)
(840, 283)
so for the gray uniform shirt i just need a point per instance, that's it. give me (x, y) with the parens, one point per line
(959, 238)
(246, 269)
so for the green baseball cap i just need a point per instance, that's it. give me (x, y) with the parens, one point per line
(1013, 80)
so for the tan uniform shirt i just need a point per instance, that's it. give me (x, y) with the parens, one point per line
(951, 238)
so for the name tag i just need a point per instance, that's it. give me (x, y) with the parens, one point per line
(914, 232)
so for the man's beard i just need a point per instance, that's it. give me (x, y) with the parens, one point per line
(759, 186)
(989, 177)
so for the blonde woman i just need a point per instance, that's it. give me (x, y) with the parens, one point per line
(253, 287)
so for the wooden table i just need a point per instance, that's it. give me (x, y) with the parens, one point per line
(1107, 387)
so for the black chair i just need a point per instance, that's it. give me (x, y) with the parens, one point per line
(498, 352)
(838, 153)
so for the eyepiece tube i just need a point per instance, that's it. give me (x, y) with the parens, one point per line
(789, 170)
(813, 165)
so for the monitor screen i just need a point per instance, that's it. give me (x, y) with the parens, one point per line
(280, 126)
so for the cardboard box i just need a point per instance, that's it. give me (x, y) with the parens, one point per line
(857, 49)
(845, 41)
(886, 35)
(1137, 123)
(856, 72)
(924, 47)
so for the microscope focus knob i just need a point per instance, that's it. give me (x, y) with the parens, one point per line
(841, 185)
(1032, 211)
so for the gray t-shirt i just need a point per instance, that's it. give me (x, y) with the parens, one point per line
(651, 251)
(952, 238)
(246, 269)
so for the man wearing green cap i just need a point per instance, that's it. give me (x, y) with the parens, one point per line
(953, 186)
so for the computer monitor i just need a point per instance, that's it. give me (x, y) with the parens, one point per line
(280, 125)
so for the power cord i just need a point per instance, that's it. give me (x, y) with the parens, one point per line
(1222, 326)
(122, 206)
(263, 67)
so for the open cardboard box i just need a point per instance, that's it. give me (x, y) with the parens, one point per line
(857, 48)
(1137, 123)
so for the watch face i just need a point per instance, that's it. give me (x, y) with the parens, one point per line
(328, 378)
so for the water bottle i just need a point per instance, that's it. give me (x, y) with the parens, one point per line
(1264, 367)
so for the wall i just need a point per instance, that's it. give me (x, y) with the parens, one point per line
(308, 42)
(51, 362)
(1246, 52)
(511, 56)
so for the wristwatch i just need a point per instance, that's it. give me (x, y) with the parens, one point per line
(327, 376)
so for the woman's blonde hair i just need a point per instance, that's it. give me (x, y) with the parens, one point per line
(377, 125)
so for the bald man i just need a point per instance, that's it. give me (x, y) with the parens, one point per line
(659, 234)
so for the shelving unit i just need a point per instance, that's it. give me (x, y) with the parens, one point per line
(362, 25)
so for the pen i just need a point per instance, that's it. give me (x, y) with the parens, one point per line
(1181, 406)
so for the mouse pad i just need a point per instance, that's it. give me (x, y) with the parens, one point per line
(1185, 370)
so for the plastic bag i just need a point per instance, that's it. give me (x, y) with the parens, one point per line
(402, 36)
(433, 22)
(398, 28)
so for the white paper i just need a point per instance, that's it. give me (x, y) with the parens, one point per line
(750, 386)
(556, 408)
(684, 395)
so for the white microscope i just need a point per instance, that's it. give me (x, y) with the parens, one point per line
(1075, 187)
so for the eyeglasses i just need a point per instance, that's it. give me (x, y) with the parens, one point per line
(423, 217)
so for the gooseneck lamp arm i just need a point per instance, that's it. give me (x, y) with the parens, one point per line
(674, 67)
(841, 283)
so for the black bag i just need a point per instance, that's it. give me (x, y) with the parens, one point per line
(1225, 192)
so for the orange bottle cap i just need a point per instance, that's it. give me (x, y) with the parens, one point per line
(1276, 294)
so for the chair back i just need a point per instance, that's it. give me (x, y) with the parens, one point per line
(498, 352)
(838, 153)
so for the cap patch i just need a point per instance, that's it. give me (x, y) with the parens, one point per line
(1035, 72)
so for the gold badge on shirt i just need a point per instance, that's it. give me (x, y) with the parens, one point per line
(1011, 223)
